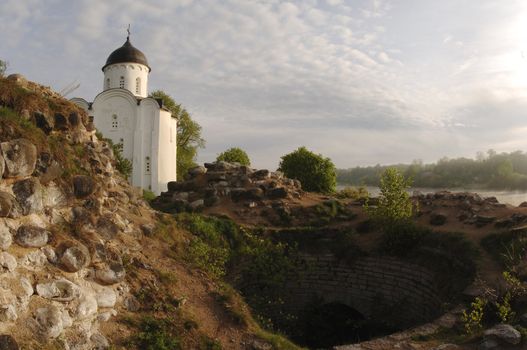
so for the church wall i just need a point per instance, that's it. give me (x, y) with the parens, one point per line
(130, 72)
(166, 162)
(115, 117)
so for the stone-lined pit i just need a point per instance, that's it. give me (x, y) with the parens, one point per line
(358, 300)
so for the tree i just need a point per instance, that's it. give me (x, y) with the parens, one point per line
(395, 204)
(3, 67)
(234, 155)
(315, 172)
(189, 138)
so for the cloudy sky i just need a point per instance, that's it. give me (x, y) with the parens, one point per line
(362, 81)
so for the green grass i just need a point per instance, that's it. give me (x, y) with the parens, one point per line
(156, 334)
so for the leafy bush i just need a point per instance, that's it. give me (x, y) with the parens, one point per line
(472, 320)
(508, 248)
(156, 334)
(123, 165)
(3, 67)
(394, 202)
(315, 172)
(148, 195)
(352, 192)
(234, 155)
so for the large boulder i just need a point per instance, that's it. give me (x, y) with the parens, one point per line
(5, 237)
(31, 236)
(73, 256)
(48, 322)
(504, 333)
(83, 186)
(7, 262)
(8, 205)
(59, 290)
(7, 342)
(106, 227)
(110, 274)
(28, 193)
(20, 157)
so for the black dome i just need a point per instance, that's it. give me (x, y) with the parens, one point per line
(127, 53)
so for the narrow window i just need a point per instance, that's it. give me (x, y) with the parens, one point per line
(107, 83)
(147, 165)
(121, 83)
(138, 86)
(115, 122)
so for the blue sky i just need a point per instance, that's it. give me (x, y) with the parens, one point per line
(362, 82)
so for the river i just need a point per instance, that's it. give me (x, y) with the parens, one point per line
(509, 197)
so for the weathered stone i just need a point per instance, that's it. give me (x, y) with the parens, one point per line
(277, 193)
(211, 201)
(28, 193)
(107, 227)
(110, 274)
(31, 236)
(2, 165)
(83, 186)
(74, 258)
(148, 229)
(43, 122)
(5, 237)
(106, 297)
(7, 262)
(99, 341)
(523, 205)
(197, 204)
(53, 172)
(174, 186)
(59, 290)
(132, 304)
(8, 205)
(74, 120)
(437, 219)
(504, 333)
(7, 342)
(20, 157)
(87, 306)
(82, 216)
(180, 196)
(488, 344)
(197, 170)
(8, 314)
(482, 220)
(48, 321)
(261, 174)
(61, 122)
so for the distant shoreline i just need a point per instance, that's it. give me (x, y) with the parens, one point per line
(513, 197)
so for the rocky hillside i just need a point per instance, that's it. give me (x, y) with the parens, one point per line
(85, 262)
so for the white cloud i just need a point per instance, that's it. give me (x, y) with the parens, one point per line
(361, 84)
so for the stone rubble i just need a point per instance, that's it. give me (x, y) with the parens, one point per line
(61, 271)
(207, 186)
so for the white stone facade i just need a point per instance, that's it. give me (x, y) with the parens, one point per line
(145, 130)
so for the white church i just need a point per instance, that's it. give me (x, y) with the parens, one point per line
(124, 113)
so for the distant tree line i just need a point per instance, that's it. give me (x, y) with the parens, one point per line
(486, 171)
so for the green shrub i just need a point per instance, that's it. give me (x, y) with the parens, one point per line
(149, 195)
(314, 171)
(156, 334)
(394, 203)
(352, 192)
(472, 319)
(508, 248)
(234, 155)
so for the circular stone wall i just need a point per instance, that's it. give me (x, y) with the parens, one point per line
(377, 287)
